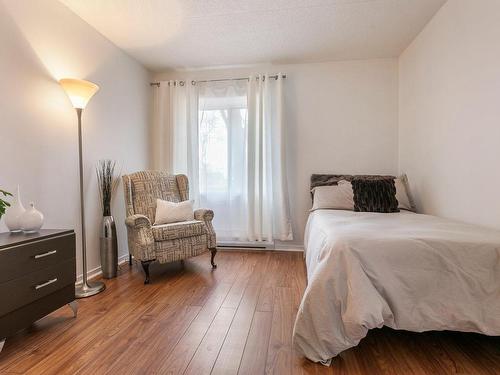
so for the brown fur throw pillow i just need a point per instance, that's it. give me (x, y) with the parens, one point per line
(374, 195)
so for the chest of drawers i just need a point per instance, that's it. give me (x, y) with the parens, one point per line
(37, 276)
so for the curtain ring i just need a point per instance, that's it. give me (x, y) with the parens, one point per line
(193, 82)
(181, 83)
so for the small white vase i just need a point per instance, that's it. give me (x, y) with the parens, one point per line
(31, 220)
(14, 213)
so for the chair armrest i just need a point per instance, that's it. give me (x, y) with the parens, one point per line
(141, 242)
(137, 221)
(204, 214)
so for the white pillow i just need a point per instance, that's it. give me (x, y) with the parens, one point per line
(339, 197)
(170, 212)
(402, 193)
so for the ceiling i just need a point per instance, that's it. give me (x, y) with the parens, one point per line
(179, 34)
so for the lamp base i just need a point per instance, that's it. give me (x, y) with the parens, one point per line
(89, 289)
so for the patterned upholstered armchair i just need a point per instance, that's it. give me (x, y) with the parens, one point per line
(169, 242)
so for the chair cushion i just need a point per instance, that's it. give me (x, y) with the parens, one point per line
(167, 232)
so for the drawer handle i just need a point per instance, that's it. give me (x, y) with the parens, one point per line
(38, 256)
(40, 286)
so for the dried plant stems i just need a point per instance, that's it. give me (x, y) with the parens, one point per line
(108, 182)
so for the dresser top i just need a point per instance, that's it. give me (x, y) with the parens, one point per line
(8, 239)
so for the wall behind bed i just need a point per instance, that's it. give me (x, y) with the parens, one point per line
(449, 113)
(341, 117)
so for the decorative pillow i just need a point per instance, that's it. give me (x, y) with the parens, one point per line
(375, 195)
(403, 194)
(339, 197)
(171, 212)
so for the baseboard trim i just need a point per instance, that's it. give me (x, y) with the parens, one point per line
(280, 247)
(98, 270)
(289, 247)
(245, 245)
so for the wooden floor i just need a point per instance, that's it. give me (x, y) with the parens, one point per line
(236, 319)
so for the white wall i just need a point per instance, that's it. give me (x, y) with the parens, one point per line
(341, 118)
(42, 42)
(449, 113)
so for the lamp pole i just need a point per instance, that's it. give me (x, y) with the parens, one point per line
(86, 289)
(80, 92)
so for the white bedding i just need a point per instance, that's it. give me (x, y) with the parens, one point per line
(402, 270)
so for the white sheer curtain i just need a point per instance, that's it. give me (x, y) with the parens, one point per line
(228, 137)
(267, 194)
(175, 131)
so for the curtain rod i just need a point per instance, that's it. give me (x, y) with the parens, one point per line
(193, 82)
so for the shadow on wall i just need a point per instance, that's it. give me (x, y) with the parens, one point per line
(46, 41)
(32, 97)
(49, 29)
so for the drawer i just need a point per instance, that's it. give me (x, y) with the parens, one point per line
(34, 256)
(35, 285)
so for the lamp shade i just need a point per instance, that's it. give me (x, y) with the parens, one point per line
(79, 91)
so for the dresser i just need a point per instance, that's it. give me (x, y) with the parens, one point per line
(37, 276)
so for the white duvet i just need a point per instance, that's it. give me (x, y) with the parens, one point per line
(401, 270)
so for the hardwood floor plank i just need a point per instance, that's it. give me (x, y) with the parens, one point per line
(260, 271)
(135, 354)
(275, 276)
(179, 358)
(466, 362)
(279, 353)
(147, 357)
(486, 349)
(206, 354)
(255, 353)
(229, 357)
(234, 296)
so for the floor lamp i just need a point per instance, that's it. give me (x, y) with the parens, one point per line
(79, 93)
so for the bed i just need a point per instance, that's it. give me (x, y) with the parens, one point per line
(402, 270)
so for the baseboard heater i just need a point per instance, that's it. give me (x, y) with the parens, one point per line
(240, 245)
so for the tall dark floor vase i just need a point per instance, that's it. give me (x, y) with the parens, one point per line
(109, 248)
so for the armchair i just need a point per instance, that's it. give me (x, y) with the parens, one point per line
(169, 242)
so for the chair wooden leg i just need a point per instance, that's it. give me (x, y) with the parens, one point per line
(213, 251)
(145, 266)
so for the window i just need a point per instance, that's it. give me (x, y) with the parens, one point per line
(222, 132)
(228, 137)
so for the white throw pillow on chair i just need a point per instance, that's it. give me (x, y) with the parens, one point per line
(171, 212)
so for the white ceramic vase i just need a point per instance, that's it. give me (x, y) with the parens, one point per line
(31, 220)
(14, 213)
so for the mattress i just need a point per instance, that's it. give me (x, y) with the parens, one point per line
(402, 270)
